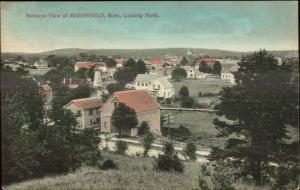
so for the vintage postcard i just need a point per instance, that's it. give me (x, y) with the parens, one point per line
(164, 95)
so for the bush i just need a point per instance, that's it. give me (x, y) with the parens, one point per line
(144, 128)
(168, 101)
(108, 164)
(169, 161)
(187, 102)
(184, 91)
(121, 146)
(147, 141)
(190, 151)
(200, 94)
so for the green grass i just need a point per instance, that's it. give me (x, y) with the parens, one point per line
(201, 85)
(199, 123)
(133, 174)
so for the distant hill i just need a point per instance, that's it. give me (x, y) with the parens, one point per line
(149, 52)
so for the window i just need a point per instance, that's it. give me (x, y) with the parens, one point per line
(105, 124)
(78, 113)
(146, 84)
(97, 120)
(138, 84)
(91, 112)
(142, 84)
(91, 122)
(158, 86)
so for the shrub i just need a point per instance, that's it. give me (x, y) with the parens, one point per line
(184, 91)
(143, 129)
(168, 101)
(169, 161)
(121, 146)
(147, 141)
(190, 151)
(108, 164)
(187, 102)
(200, 94)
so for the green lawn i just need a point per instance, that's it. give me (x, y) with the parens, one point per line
(199, 123)
(201, 85)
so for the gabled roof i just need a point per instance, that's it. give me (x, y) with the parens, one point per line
(89, 64)
(156, 61)
(139, 100)
(120, 61)
(145, 77)
(86, 103)
(165, 82)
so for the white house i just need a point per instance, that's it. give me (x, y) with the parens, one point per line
(227, 72)
(41, 64)
(193, 73)
(155, 85)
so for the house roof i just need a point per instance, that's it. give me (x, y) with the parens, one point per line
(139, 100)
(145, 77)
(165, 82)
(89, 64)
(46, 88)
(156, 61)
(87, 103)
(120, 61)
(205, 58)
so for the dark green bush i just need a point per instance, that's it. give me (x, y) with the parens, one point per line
(108, 164)
(121, 146)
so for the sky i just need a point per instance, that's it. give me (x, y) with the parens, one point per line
(237, 26)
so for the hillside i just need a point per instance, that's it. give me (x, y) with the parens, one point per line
(133, 173)
(148, 52)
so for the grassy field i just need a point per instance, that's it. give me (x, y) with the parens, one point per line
(201, 85)
(133, 174)
(199, 123)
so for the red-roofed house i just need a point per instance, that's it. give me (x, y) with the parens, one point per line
(120, 63)
(86, 111)
(156, 63)
(145, 106)
(89, 64)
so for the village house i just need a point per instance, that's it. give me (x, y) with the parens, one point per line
(90, 64)
(86, 111)
(156, 63)
(41, 64)
(120, 63)
(145, 106)
(74, 83)
(193, 73)
(227, 72)
(47, 93)
(207, 59)
(157, 86)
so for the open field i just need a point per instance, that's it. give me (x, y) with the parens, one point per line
(202, 85)
(199, 123)
(133, 174)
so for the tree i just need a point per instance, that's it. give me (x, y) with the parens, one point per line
(92, 57)
(121, 146)
(169, 161)
(144, 128)
(190, 151)
(147, 140)
(123, 118)
(261, 105)
(115, 87)
(184, 61)
(130, 63)
(110, 62)
(203, 67)
(54, 76)
(83, 56)
(178, 73)
(217, 68)
(82, 73)
(187, 102)
(125, 75)
(91, 73)
(184, 91)
(82, 91)
(141, 67)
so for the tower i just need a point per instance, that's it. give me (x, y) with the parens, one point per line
(188, 52)
(97, 78)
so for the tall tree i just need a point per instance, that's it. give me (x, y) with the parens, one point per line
(141, 67)
(125, 75)
(184, 91)
(184, 61)
(217, 68)
(261, 106)
(124, 117)
(178, 73)
(204, 67)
